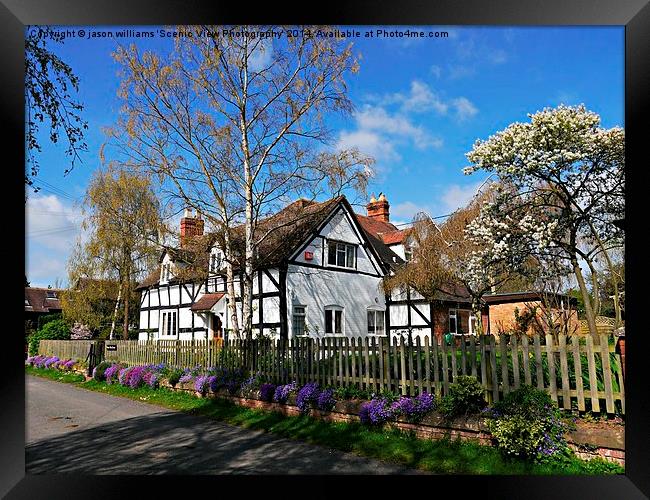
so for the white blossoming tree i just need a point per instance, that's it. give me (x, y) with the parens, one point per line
(474, 249)
(566, 178)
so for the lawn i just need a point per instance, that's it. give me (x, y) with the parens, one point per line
(438, 456)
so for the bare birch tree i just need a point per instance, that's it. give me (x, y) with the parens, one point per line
(235, 127)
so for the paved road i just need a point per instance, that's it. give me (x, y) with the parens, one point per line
(72, 430)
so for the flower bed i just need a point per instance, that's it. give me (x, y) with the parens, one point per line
(41, 361)
(462, 414)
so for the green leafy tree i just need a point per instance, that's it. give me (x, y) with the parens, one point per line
(124, 221)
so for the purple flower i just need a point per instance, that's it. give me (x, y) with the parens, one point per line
(282, 392)
(202, 384)
(49, 361)
(188, 377)
(151, 378)
(267, 391)
(135, 377)
(122, 376)
(326, 400)
(375, 412)
(214, 383)
(111, 373)
(307, 395)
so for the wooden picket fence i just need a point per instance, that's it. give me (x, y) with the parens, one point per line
(65, 349)
(577, 373)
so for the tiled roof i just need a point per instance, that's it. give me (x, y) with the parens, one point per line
(286, 230)
(207, 301)
(39, 301)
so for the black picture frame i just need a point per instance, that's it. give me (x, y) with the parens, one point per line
(633, 14)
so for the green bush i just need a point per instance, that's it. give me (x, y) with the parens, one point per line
(174, 376)
(465, 398)
(98, 372)
(47, 318)
(57, 329)
(527, 424)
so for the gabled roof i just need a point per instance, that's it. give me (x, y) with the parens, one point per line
(283, 232)
(385, 231)
(207, 301)
(40, 302)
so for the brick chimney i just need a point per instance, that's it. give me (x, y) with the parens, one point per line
(190, 226)
(378, 209)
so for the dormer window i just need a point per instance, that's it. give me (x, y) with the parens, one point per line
(50, 294)
(215, 262)
(341, 254)
(408, 254)
(165, 272)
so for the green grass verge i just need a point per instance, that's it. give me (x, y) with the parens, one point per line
(440, 456)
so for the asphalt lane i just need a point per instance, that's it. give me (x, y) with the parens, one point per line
(72, 430)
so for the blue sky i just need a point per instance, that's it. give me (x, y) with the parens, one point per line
(420, 104)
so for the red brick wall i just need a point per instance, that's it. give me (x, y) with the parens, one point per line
(502, 316)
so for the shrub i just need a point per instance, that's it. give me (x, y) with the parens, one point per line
(465, 398)
(47, 318)
(527, 424)
(266, 392)
(307, 396)
(375, 412)
(326, 400)
(351, 393)
(174, 376)
(282, 392)
(99, 372)
(54, 330)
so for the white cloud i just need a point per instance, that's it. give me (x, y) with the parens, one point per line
(460, 71)
(408, 209)
(51, 229)
(498, 56)
(457, 196)
(262, 56)
(368, 142)
(420, 99)
(464, 108)
(51, 223)
(436, 70)
(377, 119)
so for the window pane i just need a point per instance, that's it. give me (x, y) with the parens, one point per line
(452, 320)
(338, 317)
(328, 321)
(298, 324)
(331, 253)
(371, 322)
(350, 256)
(380, 322)
(340, 255)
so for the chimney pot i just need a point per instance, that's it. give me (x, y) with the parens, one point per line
(379, 209)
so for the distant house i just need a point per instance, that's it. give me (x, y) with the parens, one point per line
(41, 301)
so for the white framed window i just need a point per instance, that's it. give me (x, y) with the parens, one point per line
(334, 320)
(298, 320)
(215, 262)
(452, 321)
(341, 254)
(462, 321)
(376, 322)
(169, 326)
(408, 254)
(50, 294)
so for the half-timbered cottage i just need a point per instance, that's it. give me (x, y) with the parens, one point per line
(318, 272)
